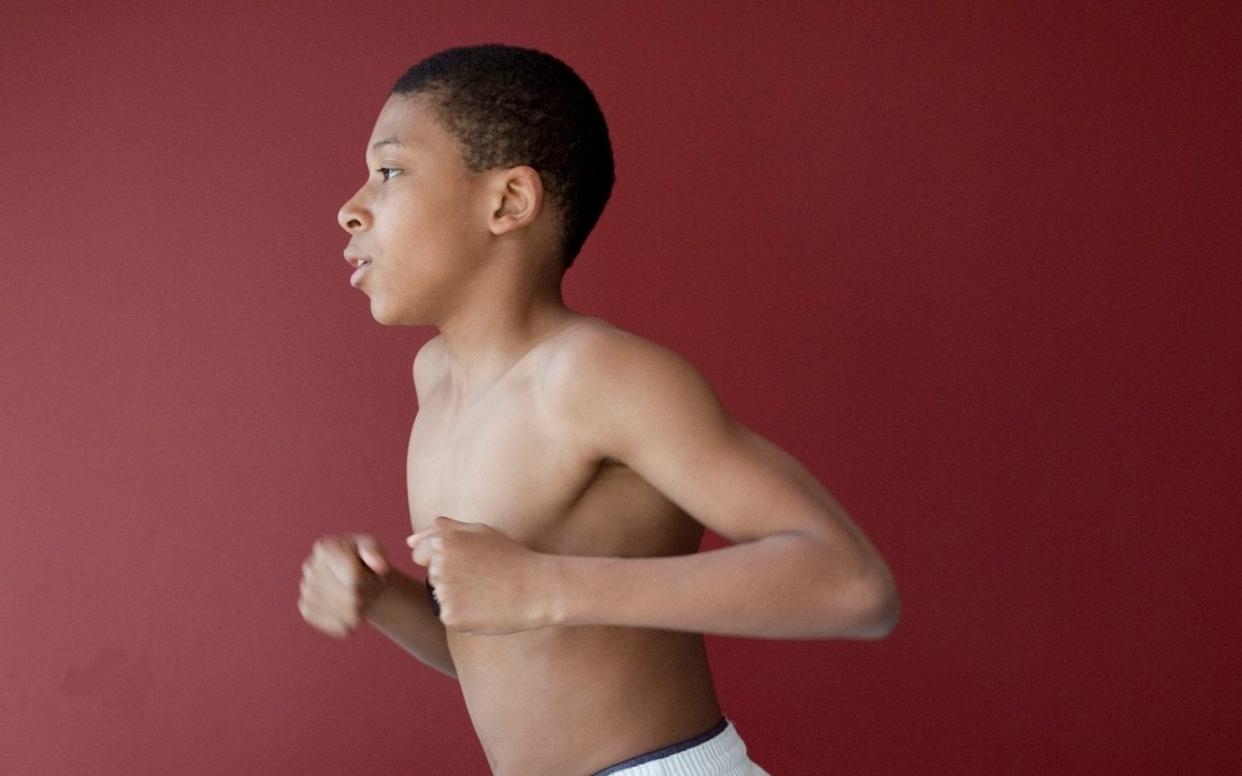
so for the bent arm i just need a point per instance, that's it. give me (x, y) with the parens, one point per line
(787, 585)
(799, 568)
(402, 612)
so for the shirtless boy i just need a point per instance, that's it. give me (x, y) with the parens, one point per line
(561, 470)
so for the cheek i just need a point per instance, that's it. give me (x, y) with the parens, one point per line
(445, 239)
(426, 222)
(434, 231)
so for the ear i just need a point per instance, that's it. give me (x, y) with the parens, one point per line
(517, 198)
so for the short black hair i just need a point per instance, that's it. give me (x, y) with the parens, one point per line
(509, 105)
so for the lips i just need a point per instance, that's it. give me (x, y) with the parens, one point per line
(359, 262)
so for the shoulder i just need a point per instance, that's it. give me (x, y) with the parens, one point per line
(429, 365)
(601, 351)
(608, 382)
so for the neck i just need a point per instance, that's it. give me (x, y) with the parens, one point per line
(496, 326)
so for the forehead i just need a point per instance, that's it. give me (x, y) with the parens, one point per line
(410, 121)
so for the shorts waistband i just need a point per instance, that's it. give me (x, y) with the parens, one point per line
(667, 751)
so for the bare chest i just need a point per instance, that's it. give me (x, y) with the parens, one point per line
(497, 461)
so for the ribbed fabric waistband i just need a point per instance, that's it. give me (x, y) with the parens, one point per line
(716, 752)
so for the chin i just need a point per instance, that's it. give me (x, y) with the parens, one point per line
(388, 315)
(384, 317)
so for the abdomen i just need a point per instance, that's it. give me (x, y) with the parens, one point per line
(556, 700)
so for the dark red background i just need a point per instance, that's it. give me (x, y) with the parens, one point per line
(977, 267)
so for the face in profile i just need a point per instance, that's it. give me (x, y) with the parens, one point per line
(414, 219)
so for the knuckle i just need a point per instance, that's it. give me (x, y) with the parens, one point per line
(448, 616)
(324, 624)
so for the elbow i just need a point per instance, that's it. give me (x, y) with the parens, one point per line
(877, 607)
(861, 603)
(882, 610)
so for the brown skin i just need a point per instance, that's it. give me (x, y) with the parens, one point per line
(560, 475)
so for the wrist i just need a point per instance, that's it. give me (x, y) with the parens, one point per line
(384, 589)
(552, 589)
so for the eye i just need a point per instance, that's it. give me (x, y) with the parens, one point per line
(384, 171)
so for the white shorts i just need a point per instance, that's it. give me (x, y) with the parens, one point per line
(718, 752)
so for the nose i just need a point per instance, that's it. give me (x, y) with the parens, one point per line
(353, 216)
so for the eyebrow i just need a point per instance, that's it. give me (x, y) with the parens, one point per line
(386, 141)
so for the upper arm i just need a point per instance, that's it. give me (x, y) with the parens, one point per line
(646, 406)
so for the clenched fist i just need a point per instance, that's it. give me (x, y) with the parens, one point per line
(484, 581)
(341, 576)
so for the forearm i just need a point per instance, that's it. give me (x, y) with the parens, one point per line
(402, 612)
(786, 585)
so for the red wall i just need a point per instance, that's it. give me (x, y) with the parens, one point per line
(976, 268)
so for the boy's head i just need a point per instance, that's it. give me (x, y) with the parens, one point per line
(510, 106)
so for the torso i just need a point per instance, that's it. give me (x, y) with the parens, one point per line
(556, 700)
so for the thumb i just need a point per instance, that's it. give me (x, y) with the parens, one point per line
(444, 521)
(372, 554)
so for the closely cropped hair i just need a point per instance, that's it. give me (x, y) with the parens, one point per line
(507, 106)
